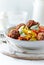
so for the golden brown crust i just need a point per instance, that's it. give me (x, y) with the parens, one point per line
(31, 23)
(14, 34)
(19, 25)
(40, 36)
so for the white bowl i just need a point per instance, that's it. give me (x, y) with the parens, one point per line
(24, 44)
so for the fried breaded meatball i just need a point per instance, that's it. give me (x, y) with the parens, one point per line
(31, 23)
(14, 34)
(40, 36)
(18, 26)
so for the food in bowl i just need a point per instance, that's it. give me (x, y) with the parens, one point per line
(31, 31)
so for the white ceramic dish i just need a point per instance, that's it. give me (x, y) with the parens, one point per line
(25, 44)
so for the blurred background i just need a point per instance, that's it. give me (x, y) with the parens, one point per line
(14, 5)
(15, 17)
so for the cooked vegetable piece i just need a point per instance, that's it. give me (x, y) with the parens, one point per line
(41, 28)
(33, 39)
(40, 36)
(35, 27)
